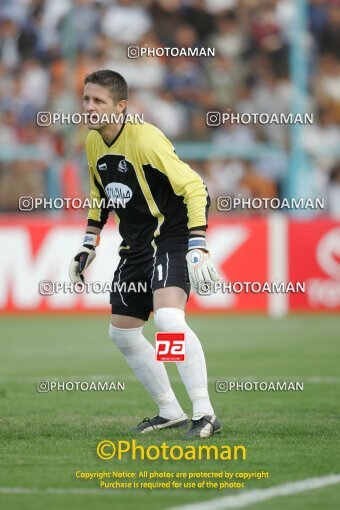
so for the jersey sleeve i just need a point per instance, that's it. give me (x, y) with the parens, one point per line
(98, 212)
(157, 151)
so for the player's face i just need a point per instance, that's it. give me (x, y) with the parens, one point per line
(98, 101)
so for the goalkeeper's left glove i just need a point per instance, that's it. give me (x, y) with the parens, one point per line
(200, 267)
(83, 258)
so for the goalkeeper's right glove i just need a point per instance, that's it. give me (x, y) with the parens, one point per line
(83, 258)
(202, 272)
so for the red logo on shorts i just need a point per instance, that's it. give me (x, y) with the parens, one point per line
(170, 347)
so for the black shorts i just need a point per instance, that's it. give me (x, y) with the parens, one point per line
(133, 283)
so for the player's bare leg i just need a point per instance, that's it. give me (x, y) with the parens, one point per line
(126, 333)
(169, 307)
(125, 322)
(169, 297)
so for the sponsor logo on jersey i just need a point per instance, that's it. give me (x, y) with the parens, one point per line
(119, 192)
(102, 166)
(122, 166)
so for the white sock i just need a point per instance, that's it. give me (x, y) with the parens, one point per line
(193, 370)
(140, 356)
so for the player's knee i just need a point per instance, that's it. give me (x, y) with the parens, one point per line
(170, 319)
(125, 338)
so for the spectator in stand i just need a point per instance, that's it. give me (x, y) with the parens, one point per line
(9, 49)
(197, 15)
(334, 191)
(327, 85)
(329, 38)
(168, 114)
(229, 39)
(186, 81)
(126, 22)
(8, 131)
(255, 185)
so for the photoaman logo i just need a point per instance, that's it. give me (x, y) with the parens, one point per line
(107, 450)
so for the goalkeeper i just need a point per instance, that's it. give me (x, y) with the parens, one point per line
(161, 206)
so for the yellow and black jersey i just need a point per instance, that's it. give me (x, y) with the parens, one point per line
(157, 198)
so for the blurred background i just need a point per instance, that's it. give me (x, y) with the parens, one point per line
(48, 47)
(271, 57)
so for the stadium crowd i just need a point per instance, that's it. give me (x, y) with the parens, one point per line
(48, 46)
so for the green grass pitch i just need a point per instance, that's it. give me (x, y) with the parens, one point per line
(46, 437)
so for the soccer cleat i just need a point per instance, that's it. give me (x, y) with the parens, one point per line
(206, 426)
(157, 423)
